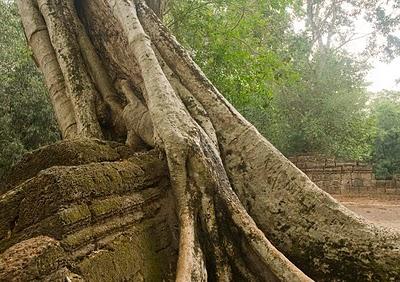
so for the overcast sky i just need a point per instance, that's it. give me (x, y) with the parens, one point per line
(382, 75)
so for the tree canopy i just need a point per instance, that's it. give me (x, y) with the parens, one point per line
(305, 97)
(301, 89)
(386, 149)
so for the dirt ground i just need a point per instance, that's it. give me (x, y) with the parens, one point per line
(384, 211)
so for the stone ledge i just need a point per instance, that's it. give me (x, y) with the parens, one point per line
(101, 214)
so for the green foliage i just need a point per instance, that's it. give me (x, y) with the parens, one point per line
(303, 100)
(301, 91)
(235, 42)
(384, 41)
(386, 154)
(324, 112)
(26, 119)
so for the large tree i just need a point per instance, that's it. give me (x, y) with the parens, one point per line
(114, 72)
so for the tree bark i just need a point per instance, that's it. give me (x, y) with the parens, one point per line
(244, 211)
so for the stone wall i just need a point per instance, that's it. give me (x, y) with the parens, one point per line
(90, 211)
(338, 177)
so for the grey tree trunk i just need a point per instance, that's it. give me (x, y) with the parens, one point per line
(243, 211)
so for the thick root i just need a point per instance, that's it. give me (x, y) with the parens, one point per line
(38, 38)
(98, 73)
(136, 116)
(302, 220)
(79, 85)
(191, 265)
(223, 172)
(183, 140)
(195, 109)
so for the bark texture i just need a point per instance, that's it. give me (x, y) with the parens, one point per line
(243, 211)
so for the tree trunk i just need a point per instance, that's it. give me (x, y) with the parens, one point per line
(244, 212)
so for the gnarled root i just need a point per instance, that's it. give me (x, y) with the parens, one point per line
(219, 164)
(79, 86)
(197, 175)
(305, 222)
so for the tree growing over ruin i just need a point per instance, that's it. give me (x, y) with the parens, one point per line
(114, 72)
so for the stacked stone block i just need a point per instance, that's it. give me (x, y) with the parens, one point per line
(340, 177)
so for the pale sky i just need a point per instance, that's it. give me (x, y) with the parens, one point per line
(382, 75)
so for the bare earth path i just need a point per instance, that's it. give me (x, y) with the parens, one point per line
(384, 211)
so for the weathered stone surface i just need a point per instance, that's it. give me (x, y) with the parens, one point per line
(65, 153)
(100, 214)
(32, 259)
(344, 177)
